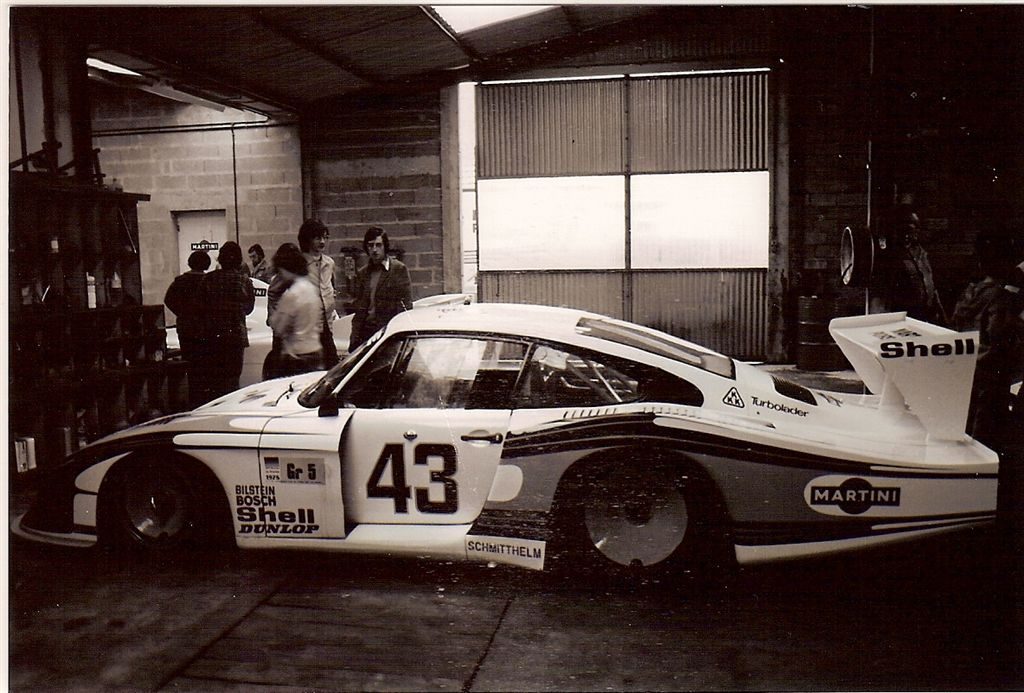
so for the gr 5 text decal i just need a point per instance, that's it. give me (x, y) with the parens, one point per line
(295, 470)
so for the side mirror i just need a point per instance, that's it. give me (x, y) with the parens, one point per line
(329, 407)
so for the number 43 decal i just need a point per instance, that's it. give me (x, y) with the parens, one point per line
(392, 455)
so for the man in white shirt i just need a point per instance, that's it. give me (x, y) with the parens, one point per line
(313, 237)
(297, 318)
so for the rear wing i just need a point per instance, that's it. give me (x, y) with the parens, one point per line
(913, 364)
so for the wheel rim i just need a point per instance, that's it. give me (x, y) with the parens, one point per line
(636, 517)
(156, 506)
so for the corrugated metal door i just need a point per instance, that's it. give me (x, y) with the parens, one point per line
(699, 123)
(550, 129)
(627, 127)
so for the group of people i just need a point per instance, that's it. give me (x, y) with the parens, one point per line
(992, 304)
(211, 307)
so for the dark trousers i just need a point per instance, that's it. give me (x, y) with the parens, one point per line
(330, 351)
(217, 371)
(192, 353)
(270, 363)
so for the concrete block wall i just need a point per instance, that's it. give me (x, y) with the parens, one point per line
(182, 170)
(377, 162)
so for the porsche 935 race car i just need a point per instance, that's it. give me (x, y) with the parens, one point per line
(511, 434)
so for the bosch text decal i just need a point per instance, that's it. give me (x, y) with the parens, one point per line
(255, 496)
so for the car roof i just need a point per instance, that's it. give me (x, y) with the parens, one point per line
(547, 323)
(501, 318)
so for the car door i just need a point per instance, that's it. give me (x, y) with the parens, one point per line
(300, 491)
(431, 416)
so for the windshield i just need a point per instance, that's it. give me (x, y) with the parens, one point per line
(655, 342)
(314, 395)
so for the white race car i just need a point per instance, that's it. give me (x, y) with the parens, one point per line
(511, 434)
(261, 338)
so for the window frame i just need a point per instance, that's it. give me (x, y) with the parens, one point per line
(520, 402)
(388, 390)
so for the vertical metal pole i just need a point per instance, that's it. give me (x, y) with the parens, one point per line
(627, 276)
(870, 150)
(23, 140)
(234, 183)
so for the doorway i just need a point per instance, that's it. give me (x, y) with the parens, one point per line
(197, 230)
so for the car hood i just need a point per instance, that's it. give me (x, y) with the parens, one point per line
(269, 398)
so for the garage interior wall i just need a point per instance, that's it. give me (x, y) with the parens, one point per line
(617, 134)
(192, 158)
(377, 162)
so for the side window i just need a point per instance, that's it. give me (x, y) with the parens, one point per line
(365, 388)
(557, 378)
(456, 373)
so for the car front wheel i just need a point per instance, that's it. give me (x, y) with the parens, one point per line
(158, 505)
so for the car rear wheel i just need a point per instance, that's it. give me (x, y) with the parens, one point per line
(159, 505)
(634, 521)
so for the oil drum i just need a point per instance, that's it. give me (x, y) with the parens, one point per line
(815, 348)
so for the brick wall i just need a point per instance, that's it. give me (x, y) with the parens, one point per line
(197, 170)
(826, 84)
(377, 162)
(939, 112)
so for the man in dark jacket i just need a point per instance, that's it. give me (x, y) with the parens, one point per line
(990, 307)
(382, 288)
(182, 299)
(227, 297)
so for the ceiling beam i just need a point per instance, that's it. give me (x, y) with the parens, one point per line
(128, 32)
(303, 43)
(450, 33)
(510, 62)
(572, 18)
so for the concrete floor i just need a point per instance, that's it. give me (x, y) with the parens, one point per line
(943, 614)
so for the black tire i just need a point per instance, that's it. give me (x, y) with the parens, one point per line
(635, 522)
(163, 504)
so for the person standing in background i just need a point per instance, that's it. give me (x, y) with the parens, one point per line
(261, 268)
(182, 299)
(278, 285)
(226, 296)
(296, 319)
(990, 307)
(382, 288)
(908, 282)
(313, 237)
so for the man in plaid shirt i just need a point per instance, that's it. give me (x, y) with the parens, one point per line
(227, 297)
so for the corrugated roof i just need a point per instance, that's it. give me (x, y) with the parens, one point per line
(285, 59)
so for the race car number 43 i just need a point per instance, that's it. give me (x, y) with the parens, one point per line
(400, 492)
